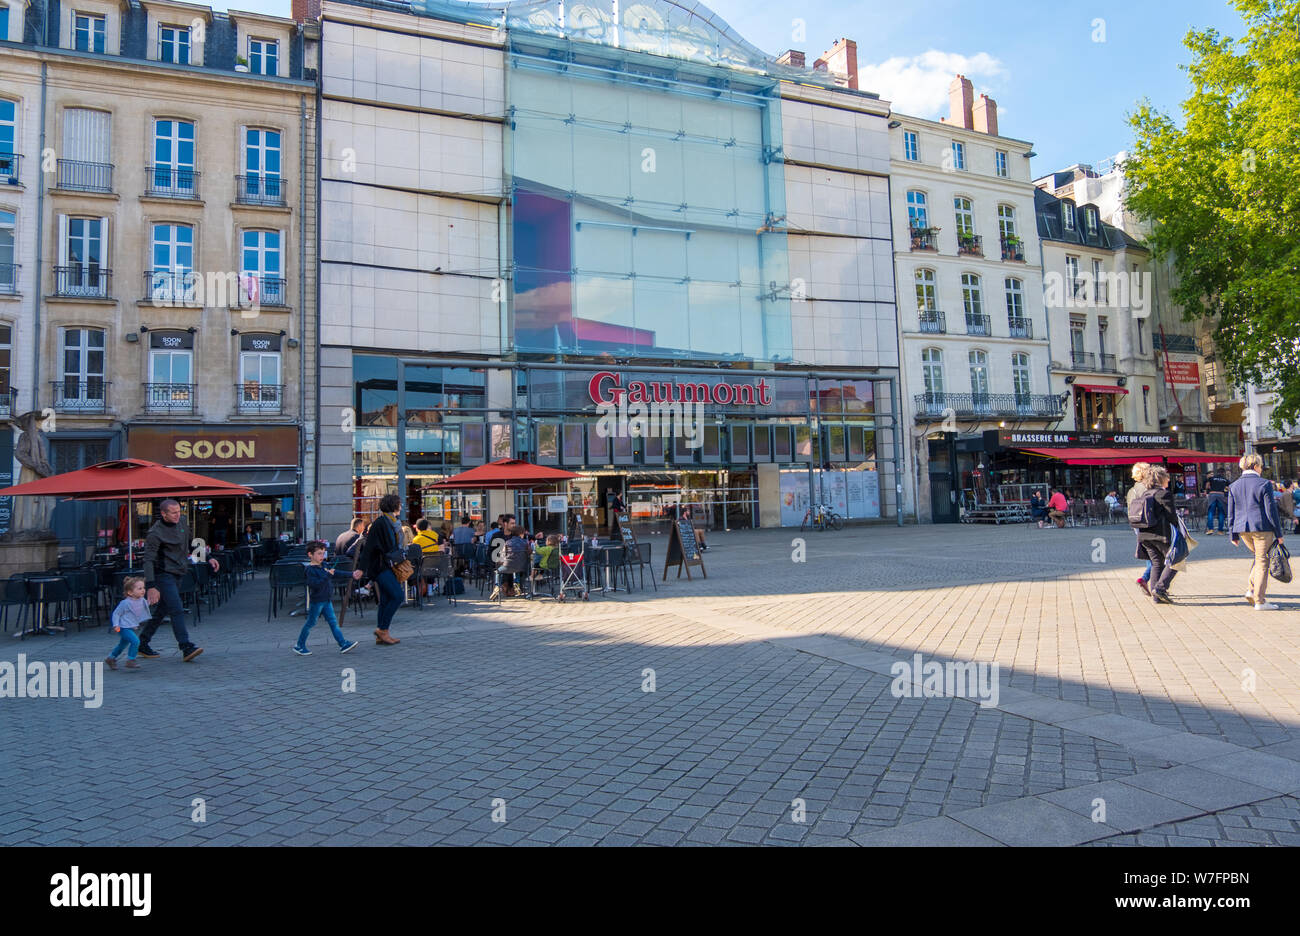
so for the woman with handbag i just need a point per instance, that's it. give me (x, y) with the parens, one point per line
(381, 559)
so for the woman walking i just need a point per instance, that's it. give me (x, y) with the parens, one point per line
(380, 552)
(1140, 474)
(1156, 535)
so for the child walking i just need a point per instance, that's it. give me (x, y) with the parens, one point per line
(320, 601)
(131, 612)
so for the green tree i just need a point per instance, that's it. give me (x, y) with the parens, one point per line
(1222, 193)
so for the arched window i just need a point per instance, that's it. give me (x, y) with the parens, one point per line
(927, 297)
(918, 215)
(965, 213)
(979, 380)
(1006, 221)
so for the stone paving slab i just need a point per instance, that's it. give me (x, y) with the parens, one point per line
(1126, 807)
(1033, 821)
(1202, 788)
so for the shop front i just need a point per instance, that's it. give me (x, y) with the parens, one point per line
(264, 458)
(741, 447)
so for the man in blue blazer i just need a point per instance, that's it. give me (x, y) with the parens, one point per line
(1253, 518)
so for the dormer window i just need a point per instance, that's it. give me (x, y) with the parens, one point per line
(1090, 220)
(264, 56)
(88, 32)
(1067, 215)
(174, 44)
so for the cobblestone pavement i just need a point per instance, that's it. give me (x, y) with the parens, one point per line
(771, 719)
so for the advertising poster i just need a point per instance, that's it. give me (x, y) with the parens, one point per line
(871, 493)
(794, 497)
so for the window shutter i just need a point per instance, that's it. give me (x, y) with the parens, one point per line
(63, 240)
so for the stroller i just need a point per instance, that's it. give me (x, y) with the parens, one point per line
(573, 573)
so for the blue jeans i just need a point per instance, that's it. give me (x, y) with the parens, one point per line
(169, 603)
(129, 642)
(317, 609)
(1215, 507)
(390, 597)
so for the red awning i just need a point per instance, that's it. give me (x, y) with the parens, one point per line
(1099, 388)
(1130, 456)
(505, 473)
(127, 478)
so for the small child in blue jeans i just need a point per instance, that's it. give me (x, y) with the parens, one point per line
(320, 601)
(131, 612)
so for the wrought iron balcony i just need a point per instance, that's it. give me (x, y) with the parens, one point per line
(10, 163)
(1083, 360)
(260, 189)
(171, 287)
(8, 402)
(971, 245)
(999, 405)
(80, 176)
(77, 396)
(1020, 328)
(978, 325)
(924, 239)
(9, 278)
(1180, 344)
(171, 182)
(85, 281)
(257, 290)
(259, 398)
(1106, 364)
(1013, 248)
(933, 322)
(169, 398)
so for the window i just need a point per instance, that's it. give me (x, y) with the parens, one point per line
(85, 162)
(965, 217)
(261, 270)
(263, 56)
(1090, 221)
(917, 214)
(173, 158)
(83, 368)
(1102, 325)
(80, 271)
(1098, 284)
(932, 373)
(1141, 324)
(1015, 294)
(8, 135)
(1077, 327)
(172, 262)
(87, 32)
(1020, 377)
(1000, 164)
(4, 21)
(1006, 221)
(1146, 395)
(262, 164)
(973, 303)
(1072, 275)
(979, 380)
(958, 155)
(174, 44)
(171, 372)
(1067, 214)
(926, 296)
(259, 373)
(6, 350)
(910, 148)
(8, 270)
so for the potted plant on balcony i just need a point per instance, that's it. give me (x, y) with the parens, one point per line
(241, 63)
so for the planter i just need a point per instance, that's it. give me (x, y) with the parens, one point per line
(241, 68)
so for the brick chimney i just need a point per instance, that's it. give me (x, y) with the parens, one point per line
(961, 95)
(842, 61)
(306, 10)
(985, 113)
(793, 57)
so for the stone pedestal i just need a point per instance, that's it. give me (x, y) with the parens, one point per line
(27, 553)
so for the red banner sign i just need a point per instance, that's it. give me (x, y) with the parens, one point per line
(1184, 373)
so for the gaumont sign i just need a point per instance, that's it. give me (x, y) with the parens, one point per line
(606, 388)
(215, 447)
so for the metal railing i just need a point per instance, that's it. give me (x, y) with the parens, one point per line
(260, 189)
(1181, 344)
(1107, 363)
(924, 240)
(73, 395)
(1032, 405)
(9, 278)
(933, 322)
(171, 287)
(970, 245)
(10, 163)
(8, 402)
(85, 176)
(170, 398)
(1084, 360)
(1020, 328)
(83, 281)
(978, 325)
(170, 182)
(257, 290)
(259, 398)
(1013, 250)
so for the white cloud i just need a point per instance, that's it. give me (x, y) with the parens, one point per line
(918, 85)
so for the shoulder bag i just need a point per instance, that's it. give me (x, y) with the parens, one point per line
(1279, 562)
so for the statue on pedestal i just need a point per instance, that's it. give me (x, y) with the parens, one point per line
(32, 514)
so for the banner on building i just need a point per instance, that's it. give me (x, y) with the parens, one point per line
(1183, 373)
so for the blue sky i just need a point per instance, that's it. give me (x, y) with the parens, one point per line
(1055, 86)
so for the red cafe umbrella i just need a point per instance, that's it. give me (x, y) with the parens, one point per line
(505, 474)
(127, 478)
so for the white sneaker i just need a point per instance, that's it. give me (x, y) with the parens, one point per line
(1266, 606)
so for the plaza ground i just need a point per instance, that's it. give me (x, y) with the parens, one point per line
(771, 685)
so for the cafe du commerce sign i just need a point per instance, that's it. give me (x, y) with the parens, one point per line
(219, 447)
(606, 389)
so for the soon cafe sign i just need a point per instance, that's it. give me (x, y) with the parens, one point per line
(217, 447)
(606, 389)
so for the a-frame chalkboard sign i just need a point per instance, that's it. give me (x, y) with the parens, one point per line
(630, 543)
(683, 549)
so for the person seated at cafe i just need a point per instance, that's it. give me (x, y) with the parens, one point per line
(1057, 508)
(543, 556)
(1113, 503)
(425, 537)
(515, 560)
(251, 536)
(1037, 508)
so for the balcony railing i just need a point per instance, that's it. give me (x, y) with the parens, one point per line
(171, 287)
(933, 322)
(1180, 344)
(259, 398)
(978, 325)
(171, 182)
(1031, 405)
(971, 245)
(74, 395)
(1106, 363)
(9, 278)
(83, 281)
(8, 402)
(260, 190)
(923, 239)
(1083, 360)
(1020, 328)
(1013, 249)
(256, 290)
(85, 176)
(10, 163)
(169, 398)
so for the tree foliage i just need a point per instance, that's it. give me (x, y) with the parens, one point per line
(1222, 193)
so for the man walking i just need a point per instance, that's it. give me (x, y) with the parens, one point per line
(1253, 518)
(166, 563)
(1216, 489)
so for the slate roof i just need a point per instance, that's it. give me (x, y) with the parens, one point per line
(1048, 212)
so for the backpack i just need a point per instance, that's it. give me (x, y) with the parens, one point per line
(453, 586)
(1142, 511)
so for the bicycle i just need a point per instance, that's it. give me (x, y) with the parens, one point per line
(821, 517)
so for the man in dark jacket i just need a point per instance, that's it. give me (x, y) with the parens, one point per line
(381, 549)
(1154, 540)
(166, 563)
(1252, 517)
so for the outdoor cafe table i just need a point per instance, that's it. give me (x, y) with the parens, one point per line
(36, 589)
(604, 550)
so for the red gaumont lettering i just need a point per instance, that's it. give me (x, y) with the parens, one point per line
(606, 388)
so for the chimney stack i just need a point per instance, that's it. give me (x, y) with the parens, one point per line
(793, 57)
(985, 113)
(306, 10)
(842, 61)
(961, 95)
